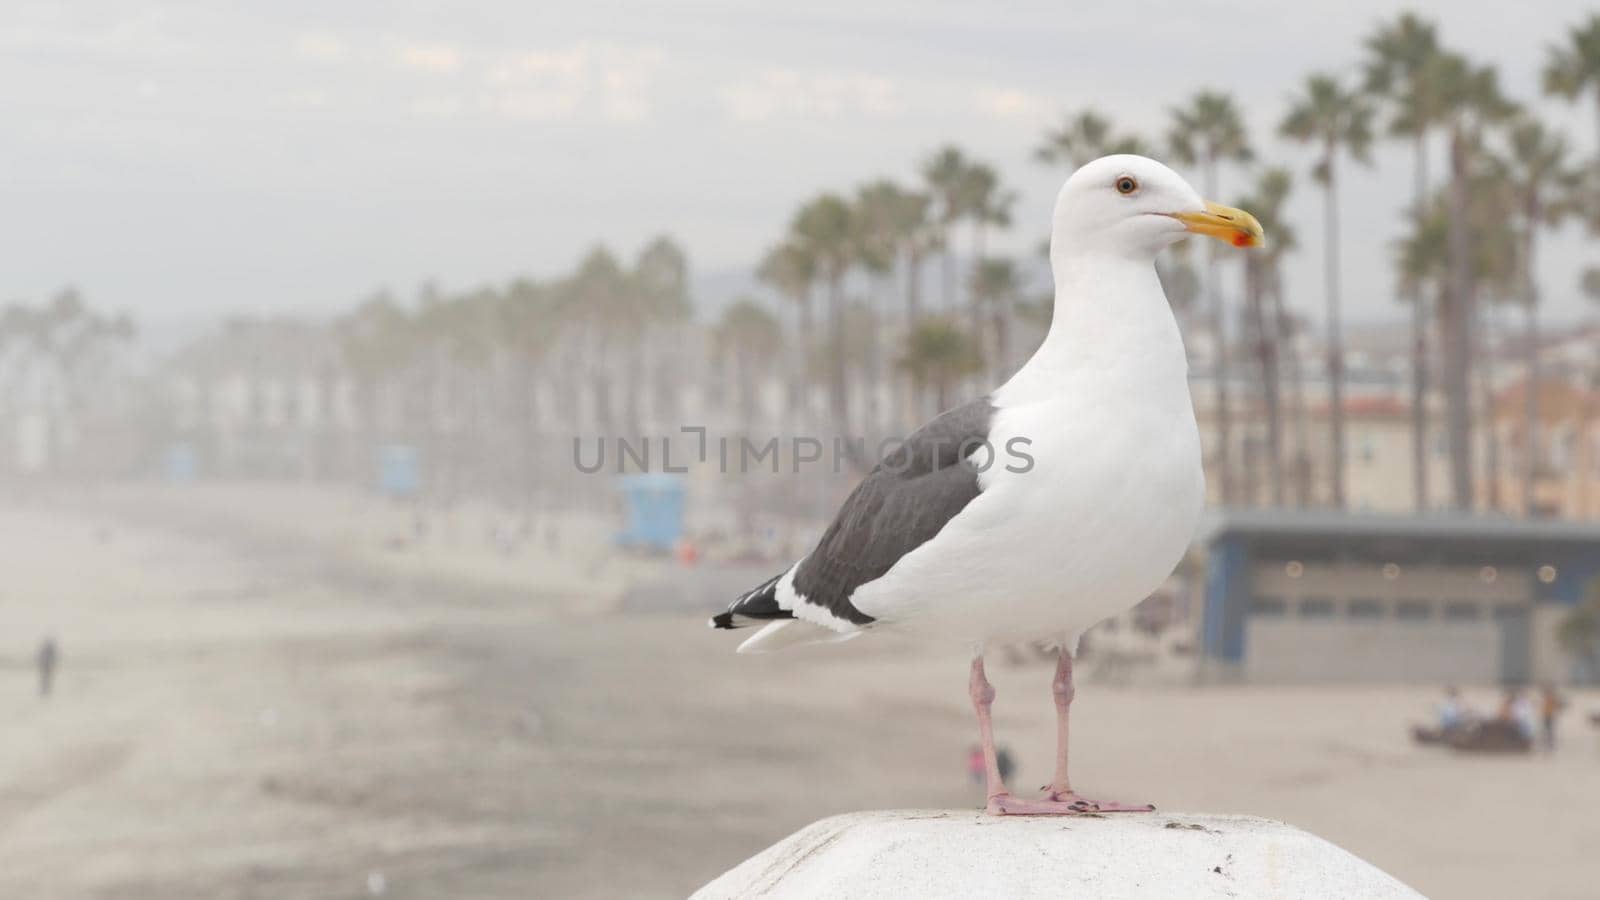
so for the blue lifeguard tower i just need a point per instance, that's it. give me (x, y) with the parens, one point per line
(180, 462)
(652, 512)
(399, 470)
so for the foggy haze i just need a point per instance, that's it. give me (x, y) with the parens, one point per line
(181, 160)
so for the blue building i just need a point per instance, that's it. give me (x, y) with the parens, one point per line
(399, 470)
(1318, 596)
(653, 507)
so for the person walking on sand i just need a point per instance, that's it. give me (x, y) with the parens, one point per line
(48, 657)
(1002, 757)
(975, 763)
(1551, 703)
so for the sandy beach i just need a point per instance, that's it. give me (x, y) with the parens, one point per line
(284, 698)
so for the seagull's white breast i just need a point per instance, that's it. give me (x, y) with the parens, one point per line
(1096, 525)
(1102, 517)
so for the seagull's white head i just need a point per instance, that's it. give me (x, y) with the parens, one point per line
(1134, 206)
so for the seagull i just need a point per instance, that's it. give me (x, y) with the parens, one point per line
(1062, 498)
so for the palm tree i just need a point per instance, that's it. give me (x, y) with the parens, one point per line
(1263, 286)
(1541, 180)
(527, 328)
(1427, 265)
(1573, 68)
(1082, 138)
(658, 293)
(985, 204)
(1422, 258)
(826, 228)
(1290, 327)
(67, 338)
(375, 340)
(895, 228)
(1286, 327)
(790, 269)
(940, 353)
(599, 297)
(1206, 133)
(1589, 284)
(1399, 59)
(896, 221)
(1472, 96)
(751, 336)
(459, 335)
(1496, 279)
(1334, 120)
(946, 175)
(995, 286)
(876, 222)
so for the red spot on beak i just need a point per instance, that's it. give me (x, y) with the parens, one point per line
(1241, 240)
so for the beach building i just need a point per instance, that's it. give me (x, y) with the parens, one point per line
(1317, 596)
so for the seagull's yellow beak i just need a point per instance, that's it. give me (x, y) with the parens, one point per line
(1225, 223)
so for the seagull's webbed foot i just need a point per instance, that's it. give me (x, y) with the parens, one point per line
(1084, 804)
(1050, 805)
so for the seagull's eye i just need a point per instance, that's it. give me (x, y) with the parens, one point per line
(1127, 185)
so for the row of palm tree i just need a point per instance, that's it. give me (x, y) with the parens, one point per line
(1470, 246)
(438, 370)
(851, 249)
(56, 359)
(1422, 88)
(1509, 176)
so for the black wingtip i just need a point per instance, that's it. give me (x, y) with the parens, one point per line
(722, 620)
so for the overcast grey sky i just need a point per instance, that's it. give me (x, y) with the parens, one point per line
(177, 158)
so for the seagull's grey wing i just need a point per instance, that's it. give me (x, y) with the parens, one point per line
(902, 503)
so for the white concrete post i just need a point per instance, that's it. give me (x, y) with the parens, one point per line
(929, 854)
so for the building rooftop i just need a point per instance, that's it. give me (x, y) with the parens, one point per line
(1332, 523)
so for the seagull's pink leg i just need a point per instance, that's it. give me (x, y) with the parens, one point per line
(982, 698)
(1060, 789)
(1000, 802)
(1059, 800)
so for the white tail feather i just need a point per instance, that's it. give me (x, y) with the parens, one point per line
(791, 632)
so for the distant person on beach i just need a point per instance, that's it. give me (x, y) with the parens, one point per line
(1551, 703)
(48, 657)
(1002, 758)
(1453, 713)
(1517, 710)
(975, 763)
(1454, 718)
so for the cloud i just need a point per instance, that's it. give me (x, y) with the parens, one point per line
(531, 103)
(320, 46)
(313, 98)
(1011, 103)
(610, 81)
(427, 57)
(791, 93)
(440, 106)
(567, 64)
(586, 80)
